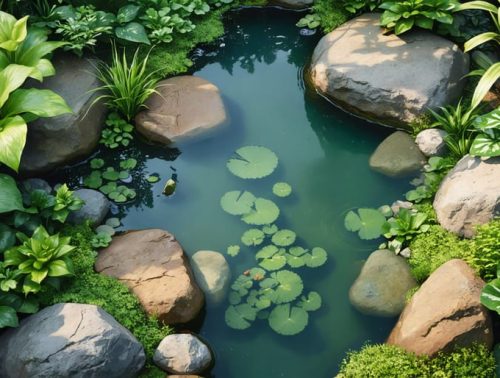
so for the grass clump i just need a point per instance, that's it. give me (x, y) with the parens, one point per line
(89, 287)
(389, 361)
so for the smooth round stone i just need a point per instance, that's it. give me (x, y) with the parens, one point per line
(212, 274)
(431, 142)
(95, 209)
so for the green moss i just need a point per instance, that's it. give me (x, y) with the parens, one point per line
(89, 287)
(486, 254)
(390, 361)
(331, 14)
(435, 247)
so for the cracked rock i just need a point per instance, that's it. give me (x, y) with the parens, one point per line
(153, 265)
(389, 79)
(70, 340)
(444, 313)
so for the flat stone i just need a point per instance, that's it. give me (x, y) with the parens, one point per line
(212, 274)
(70, 340)
(182, 354)
(397, 156)
(389, 79)
(184, 107)
(95, 209)
(431, 142)
(469, 195)
(58, 141)
(153, 265)
(381, 287)
(445, 313)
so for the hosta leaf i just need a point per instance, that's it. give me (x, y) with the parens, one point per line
(8, 317)
(316, 258)
(59, 268)
(485, 146)
(311, 302)
(237, 202)
(368, 223)
(289, 286)
(253, 162)
(282, 189)
(264, 212)
(13, 133)
(490, 296)
(10, 196)
(253, 237)
(133, 32)
(240, 316)
(287, 320)
(284, 238)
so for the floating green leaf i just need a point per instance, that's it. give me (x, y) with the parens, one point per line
(242, 284)
(96, 163)
(105, 229)
(113, 222)
(153, 178)
(234, 298)
(233, 250)
(267, 251)
(94, 180)
(311, 302)
(237, 202)
(257, 274)
(295, 261)
(263, 303)
(289, 286)
(284, 238)
(316, 258)
(253, 162)
(240, 316)
(112, 175)
(287, 320)
(282, 189)
(252, 237)
(264, 212)
(369, 223)
(273, 263)
(297, 251)
(270, 229)
(128, 164)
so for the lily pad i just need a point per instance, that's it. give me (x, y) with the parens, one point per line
(297, 251)
(282, 189)
(153, 178)
(368, 223)
(289, 286)
(112, 175)
(96, 163)
(240, 316)
(257, 274)
(128, 164)
(242, 284)
(108, 188)
(295, 261)
(264, 212)
(284, 238)
(113, 222)
(253, 237)
(233, 250)
(105, 229)
(316, 258)
(94, 180)
(287, 320)
(311, 302)
(270, 229)
(253, 162)
(237, 202)
(267, 251)
(234, 298)
(273, 263)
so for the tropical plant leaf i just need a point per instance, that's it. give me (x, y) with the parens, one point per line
(284, 238)
(263, 212)
(490, 296)
(240, 316)
(289, 286)
(489, 78)
(485, 146)
(10, 196)
(253, 162)
(368, 223)
(311, 302)
(13, 133)
(40, 102)
(252, 237)
(287, 320)
(282, 189)
(316, 258)
(233, 250)
(8, 317)
(133, 32)
(237, 202)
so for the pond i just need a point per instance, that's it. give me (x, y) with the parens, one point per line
(323, 154)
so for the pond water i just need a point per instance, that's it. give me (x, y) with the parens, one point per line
(323, 152)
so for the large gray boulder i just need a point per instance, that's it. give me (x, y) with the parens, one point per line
(95, 209)
(381, 287)
(185, 107)
(469, 195)
(397, 156)
(212, 274)
(389, 79)
(70, 340)
(182, 354)
(57, 141)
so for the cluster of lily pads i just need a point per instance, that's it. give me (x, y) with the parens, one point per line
(271, 291)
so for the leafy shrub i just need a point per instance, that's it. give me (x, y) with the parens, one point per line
(117, 132)
(355, 6)
(382, 360)
(330, 14)
(486, 251)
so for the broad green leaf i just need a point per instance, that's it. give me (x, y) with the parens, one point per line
(404, 25)
(289, 286)
(113, 222)
(295, 261)
(13, 133)
(266, 252)
(153, 178)
(127, 13)
(11, 78)
(96, 163)
(10, 196)
(242, 284)
(128, 164)
(8, 317)
(275, 262)
(316, 258)
(264, 212)
(240, 316)
(368, 223)
(234, 298)
(297, 251)
(40, 102)
(252, 237)
(58, 268)
(270, 229)
(133, 32)
(253, 162)
(94, 180)
(480, 5)
(284, 238)
(490, 296)
(237, 202)
(485, 146)
(7, 236)
(282, 189)
(287, 320)
(311, 302)
(233, 250)
(489, 78)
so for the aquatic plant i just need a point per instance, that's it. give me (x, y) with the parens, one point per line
(268, 291)
(117, 132)
(367, 222)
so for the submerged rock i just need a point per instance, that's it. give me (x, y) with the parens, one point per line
(55, 142)
(95, 209)
(212, 274)
(153, 265)
(382, 285)
(431, 142)
(444, 313)
(37, 184)
(184, 107)
(386, 78)
(469, 195)
(182, 354)
(397, 156)
(70, 340)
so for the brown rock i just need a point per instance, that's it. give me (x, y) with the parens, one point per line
(153, 265)
(444, 313)
(185, 106)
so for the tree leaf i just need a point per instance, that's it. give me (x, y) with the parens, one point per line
(264, 212)
(284, 238)
(287, 320)
(253, 162)
(237, 202)
(10, 196)
(282, 189)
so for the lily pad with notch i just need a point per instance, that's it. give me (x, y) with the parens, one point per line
(284, 238)
(253, 162)
(237, 202)
(311, 302)
(367, 222)
(233, 250)
(240, 316)
(263, 212)
(253, 237)
(316, 258)
(288, 320)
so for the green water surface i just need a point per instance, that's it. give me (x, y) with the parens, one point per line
(323, 152)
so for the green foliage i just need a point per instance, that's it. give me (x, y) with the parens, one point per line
(357, 6)
(310, 21)
(485, 254)
(401, 16)
(65, 202)
(89, 287)
(368, 223)
(264, 212)
(383, 360)
(117, 132)
(331, 14)
(282, 189)
(127, 84)
(421, 123)
(487, 143)
(10, 196)
(253, 162)
(405, 225)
